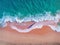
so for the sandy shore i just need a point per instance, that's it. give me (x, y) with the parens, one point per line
(38, 36)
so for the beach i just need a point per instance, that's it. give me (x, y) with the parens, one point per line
(41, 35)
(29, 22)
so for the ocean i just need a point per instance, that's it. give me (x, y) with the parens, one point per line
(28, 9)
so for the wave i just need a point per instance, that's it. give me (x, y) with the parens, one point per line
(26, 30)
(57, 29)
(36, 18)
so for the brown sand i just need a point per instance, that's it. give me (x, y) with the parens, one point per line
(43, 35)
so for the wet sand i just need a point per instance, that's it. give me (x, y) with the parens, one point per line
(36, 36)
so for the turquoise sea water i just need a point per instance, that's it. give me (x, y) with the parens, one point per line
(28, 8)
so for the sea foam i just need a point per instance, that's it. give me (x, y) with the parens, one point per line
(36, 18)
(25, 30)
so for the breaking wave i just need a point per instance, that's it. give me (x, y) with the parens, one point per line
(38, 17)
(29, 10)
(47, 16)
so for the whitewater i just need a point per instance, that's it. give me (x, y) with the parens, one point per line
(48, 16)
(30, 10)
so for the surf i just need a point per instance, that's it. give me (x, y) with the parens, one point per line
(48, 17)
(20, 11)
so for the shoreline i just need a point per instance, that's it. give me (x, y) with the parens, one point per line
(37, 35)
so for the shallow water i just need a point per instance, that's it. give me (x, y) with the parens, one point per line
(27, 10)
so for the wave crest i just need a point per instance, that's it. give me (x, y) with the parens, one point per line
(37, 17)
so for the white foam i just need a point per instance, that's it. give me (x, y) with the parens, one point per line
(30, 29)
(57, 17)
(18, 20)
(2, 23)
(36, 18)
(52, 27)
(25, 30)
(19, 30)
(58, 28)
(37, 26)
